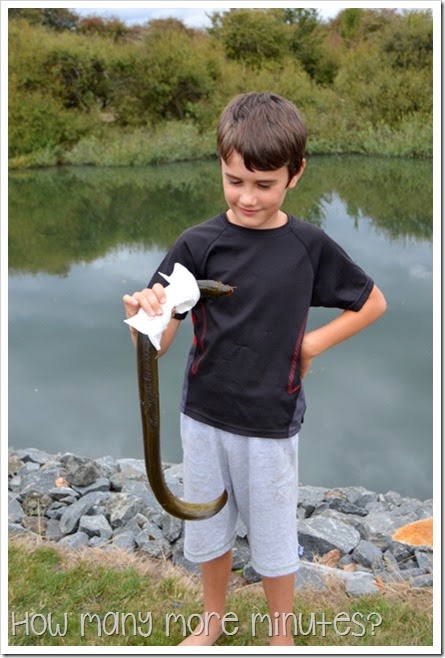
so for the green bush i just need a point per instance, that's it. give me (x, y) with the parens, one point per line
(173, 141)
(363, 82)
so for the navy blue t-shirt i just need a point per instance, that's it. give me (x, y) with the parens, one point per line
(243, 370)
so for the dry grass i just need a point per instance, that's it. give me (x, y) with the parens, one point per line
(46, 577)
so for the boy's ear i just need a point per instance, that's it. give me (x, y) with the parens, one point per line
(294, 180)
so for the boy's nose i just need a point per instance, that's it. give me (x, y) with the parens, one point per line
(247, 199)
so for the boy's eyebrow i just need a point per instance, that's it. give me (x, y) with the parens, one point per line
(260, 180)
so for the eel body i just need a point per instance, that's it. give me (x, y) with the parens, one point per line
(148, 380)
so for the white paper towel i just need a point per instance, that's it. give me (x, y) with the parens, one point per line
(181, 294)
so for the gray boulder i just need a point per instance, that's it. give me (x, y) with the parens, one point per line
(319, 535)
(70, 517)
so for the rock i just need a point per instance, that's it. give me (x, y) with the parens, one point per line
(32, 455)
(124, 539)
(423, 581)
(70, 517)
(126, 474)
(309, 498)
(16, 529)
(424, 559)
(417, 533)
(409, 575)
(29, 467)
(107, 466)
(14, 465)
(347, 562)
(320, 577)
(308, 578)
(365, 498)
(176, 487)
(250, 574)
(151, 541)
(368, 555)
(337, 494)
(15, 483)
(354, 493)
(40, 481)
(55, 510)
(378, 524)
(352, 528)
(77, 540)
(319, 535)
(121, 508)
(53, 531)
(241, 553)
(35, 504)
(141, 491)
(175, 471)
(331, 559)
(361, 586)
(390, 563)
(80, 471)
(352, 520)
(15, 510)
(179, 559)
(101, 484)
(132, 469)
(95, 525)
(401, 552)
(61, 493)
(393, 497)
(346, 507)
(171, 527)
(36, 524)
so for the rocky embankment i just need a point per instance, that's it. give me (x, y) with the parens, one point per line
(350, 533)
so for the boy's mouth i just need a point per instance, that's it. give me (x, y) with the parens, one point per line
(248, 212)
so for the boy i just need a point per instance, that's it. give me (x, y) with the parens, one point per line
(243, 401)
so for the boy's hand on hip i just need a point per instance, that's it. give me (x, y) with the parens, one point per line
(306, 356)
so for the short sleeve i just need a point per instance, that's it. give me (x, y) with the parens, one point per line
(179, 253)
(338, 281)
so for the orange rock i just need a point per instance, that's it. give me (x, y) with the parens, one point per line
(418, 533)
(61, 482)
(331, 558)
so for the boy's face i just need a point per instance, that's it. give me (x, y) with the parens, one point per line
(255, 197)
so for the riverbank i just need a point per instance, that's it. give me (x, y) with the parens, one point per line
(363, 539)
(177, 141)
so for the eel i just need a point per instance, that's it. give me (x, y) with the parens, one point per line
(148, 381)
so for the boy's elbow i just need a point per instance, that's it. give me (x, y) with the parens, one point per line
(379, 301)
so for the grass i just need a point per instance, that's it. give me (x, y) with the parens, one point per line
(173, 141)
(110, 598)
(177, 141)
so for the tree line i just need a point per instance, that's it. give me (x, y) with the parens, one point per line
(363, 80)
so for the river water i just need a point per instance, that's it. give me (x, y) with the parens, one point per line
(80, 238)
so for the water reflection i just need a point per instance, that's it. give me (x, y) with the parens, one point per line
(60, 217)
(81, 238)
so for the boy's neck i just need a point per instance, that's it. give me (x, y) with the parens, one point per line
(280, 220)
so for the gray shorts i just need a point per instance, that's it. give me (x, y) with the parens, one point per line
(261, 479)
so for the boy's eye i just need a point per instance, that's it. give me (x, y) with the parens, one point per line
(263, 186)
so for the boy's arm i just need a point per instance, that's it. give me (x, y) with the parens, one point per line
(341, 328)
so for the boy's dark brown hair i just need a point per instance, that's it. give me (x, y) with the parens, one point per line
(267, 130)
